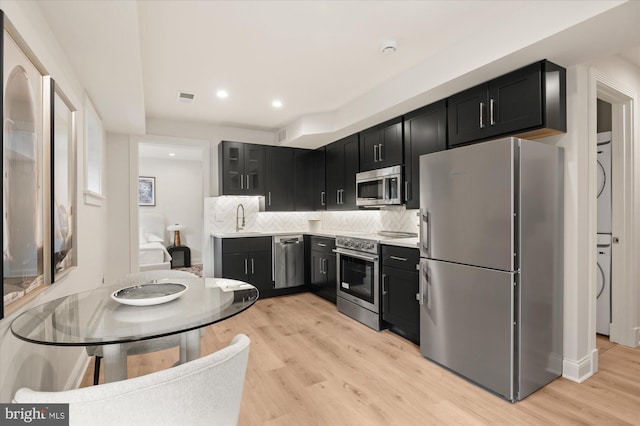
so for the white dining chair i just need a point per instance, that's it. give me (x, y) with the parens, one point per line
(207, 391)
(143, 346)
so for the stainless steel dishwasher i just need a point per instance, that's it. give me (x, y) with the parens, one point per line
(288, 261)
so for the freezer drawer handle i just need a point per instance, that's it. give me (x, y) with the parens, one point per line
(423, 296)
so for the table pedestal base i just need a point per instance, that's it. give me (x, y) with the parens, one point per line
(115, 356)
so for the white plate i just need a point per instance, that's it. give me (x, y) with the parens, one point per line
(149, 294)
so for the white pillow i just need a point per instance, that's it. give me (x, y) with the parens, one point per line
(153, 238)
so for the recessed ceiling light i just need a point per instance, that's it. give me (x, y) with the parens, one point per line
(277, 103)
(172, 154)
(222, 94)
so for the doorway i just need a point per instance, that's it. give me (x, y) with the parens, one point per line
(614, 105)
(178, 172)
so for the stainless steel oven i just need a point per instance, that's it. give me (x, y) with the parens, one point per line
(358, 272)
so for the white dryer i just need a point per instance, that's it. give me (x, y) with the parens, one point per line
(603, 303)
(604, 183)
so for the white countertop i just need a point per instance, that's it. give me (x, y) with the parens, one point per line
(411, 242)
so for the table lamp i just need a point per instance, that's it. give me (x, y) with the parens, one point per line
(176, 233)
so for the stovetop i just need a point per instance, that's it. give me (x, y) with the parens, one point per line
(369, 242)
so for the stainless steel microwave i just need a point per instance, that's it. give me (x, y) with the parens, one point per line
(379, 187)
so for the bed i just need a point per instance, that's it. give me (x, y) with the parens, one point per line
(153, 253)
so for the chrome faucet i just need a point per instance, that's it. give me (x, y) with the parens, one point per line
(239, 227)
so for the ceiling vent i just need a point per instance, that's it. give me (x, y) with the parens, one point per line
(186, 97)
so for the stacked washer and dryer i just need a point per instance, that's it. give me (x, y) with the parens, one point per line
(603, 306)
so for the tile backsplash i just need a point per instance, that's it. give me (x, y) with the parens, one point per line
(220, 217)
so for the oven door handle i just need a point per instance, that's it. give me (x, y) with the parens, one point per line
(357, 255)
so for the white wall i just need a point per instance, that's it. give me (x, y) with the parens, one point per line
(179, 199)
(119, 256)
(26, 364)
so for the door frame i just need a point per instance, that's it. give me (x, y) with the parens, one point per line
(134, 159)
(625, 208)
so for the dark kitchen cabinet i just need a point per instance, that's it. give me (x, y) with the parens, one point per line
(425, 131)
(342, 164)
(529, 103)
(304, 179)
(279, 166)
(322, 267)
(319, 185)
(241, 168)
(245, 259)
(381, 146)
(400, 282)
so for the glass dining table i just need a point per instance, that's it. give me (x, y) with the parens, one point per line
(107, 316)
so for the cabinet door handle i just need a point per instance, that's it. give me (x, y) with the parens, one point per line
(269, 196)
(241, 182)
(322, 197)
(407, 193)
(380, 152)
(325, 262)
(246, 269)
(492, 119)
(252, 267)
(375, 153)
(401, 259)
(321, 244)
(482, 115)
(384, 284)
(247, 181)
(322, 271)
(342, 196)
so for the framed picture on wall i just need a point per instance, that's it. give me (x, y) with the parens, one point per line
(146, 191)
(24, 228)
(63, 183)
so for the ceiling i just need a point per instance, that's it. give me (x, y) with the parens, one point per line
(320, 58)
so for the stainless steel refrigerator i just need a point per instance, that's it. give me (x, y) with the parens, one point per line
(491, 263)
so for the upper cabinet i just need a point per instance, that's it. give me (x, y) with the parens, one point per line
(241, 168)
(279, 167)
(319, 184)
(381, 146)
(304, 179)
(341, 168)
(529, 103)
(425, 131)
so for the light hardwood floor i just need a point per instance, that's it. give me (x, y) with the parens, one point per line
(311, 365)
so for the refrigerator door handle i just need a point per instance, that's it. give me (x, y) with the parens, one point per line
(424, 226)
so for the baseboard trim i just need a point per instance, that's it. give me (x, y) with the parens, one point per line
(580, 370)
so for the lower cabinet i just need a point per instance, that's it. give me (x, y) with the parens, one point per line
(400, 282)
(322, 267)
(251, 267)
(245, 259)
